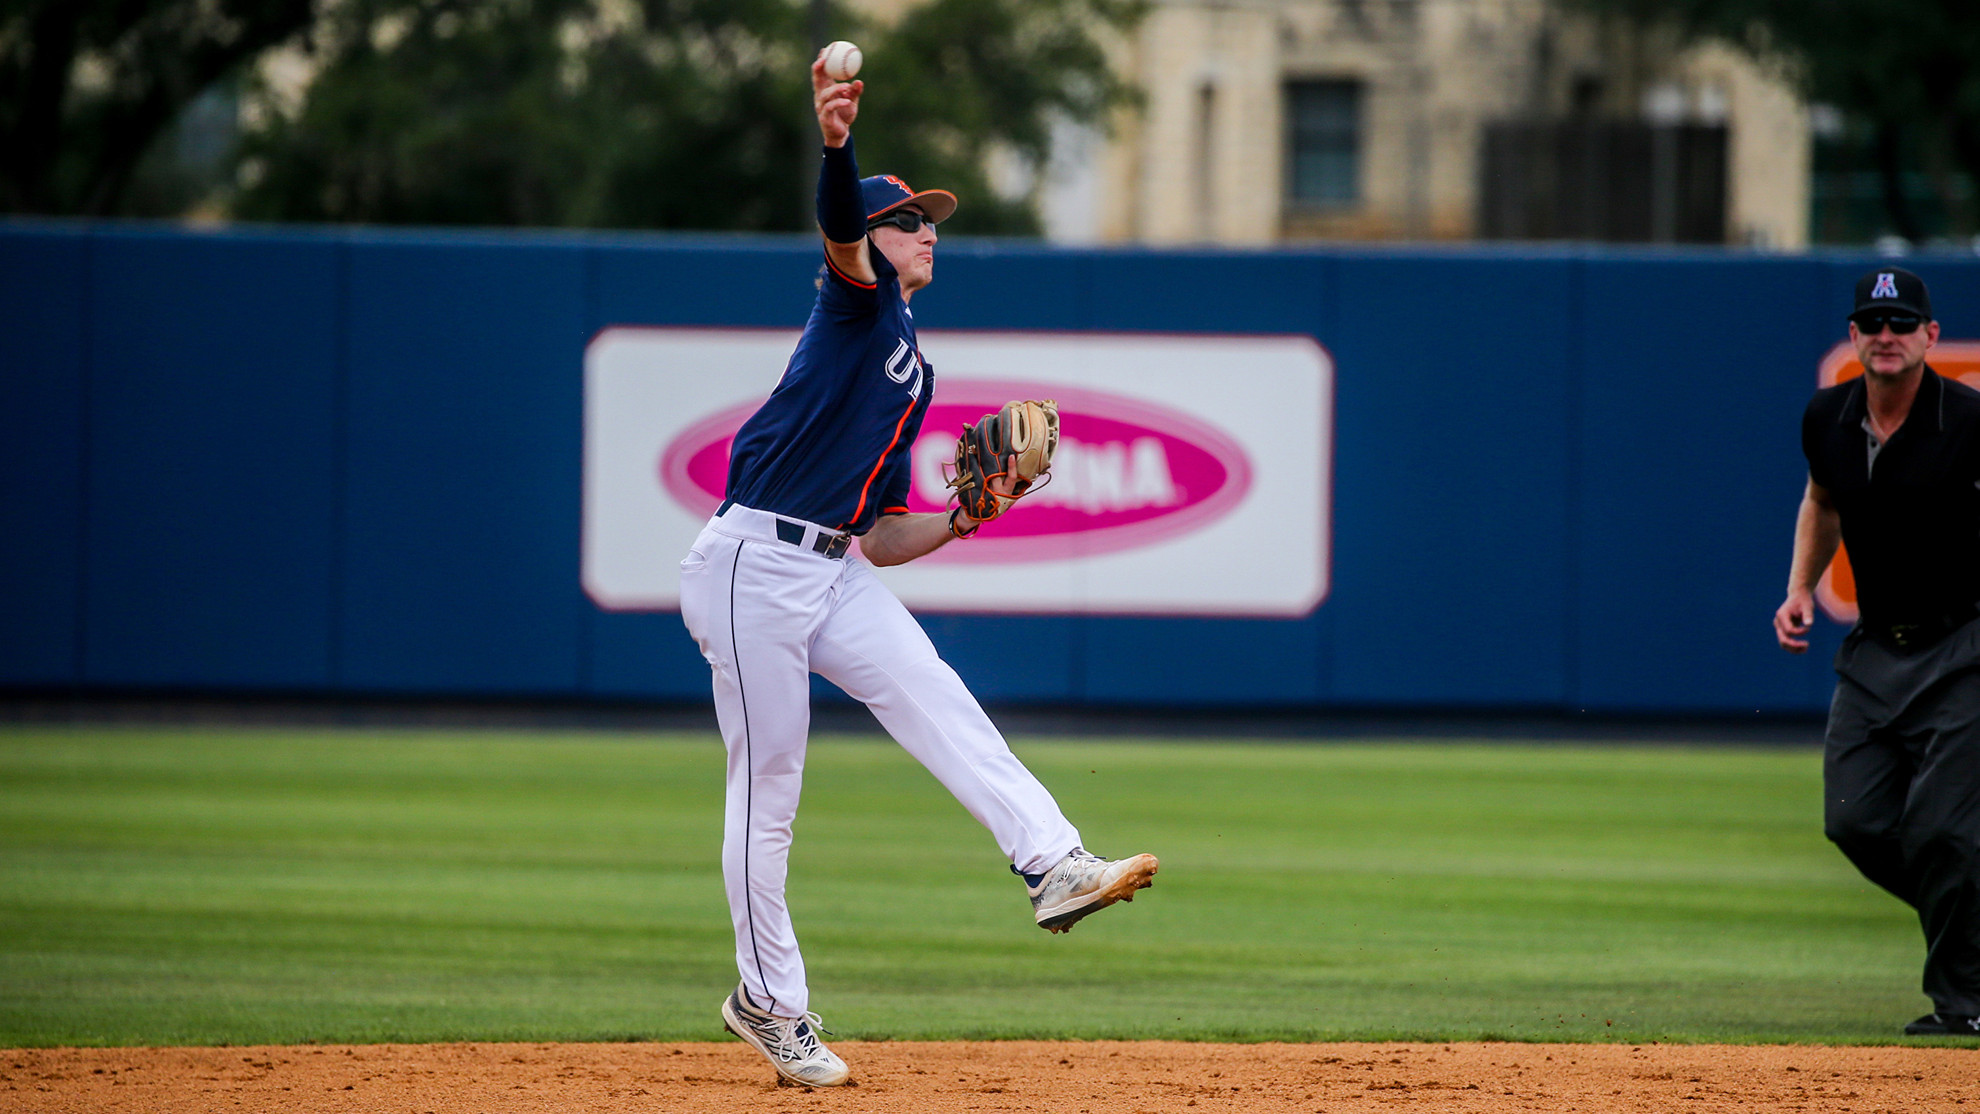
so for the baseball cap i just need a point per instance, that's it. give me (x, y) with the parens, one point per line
(1892, 288)
(884, 193)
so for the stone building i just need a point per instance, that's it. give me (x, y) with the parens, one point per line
(1272, 121)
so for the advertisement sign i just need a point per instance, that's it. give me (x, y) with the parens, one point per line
(1954, 359)
(1192, 475)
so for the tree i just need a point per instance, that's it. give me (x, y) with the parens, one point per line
(1909, 73)
(660, 113)
(87, 87)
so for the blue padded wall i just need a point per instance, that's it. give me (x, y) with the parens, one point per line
(1455, 384)
(350, 461)
(1689, 473)
(211, 460)
(459, 558)
(43, 291)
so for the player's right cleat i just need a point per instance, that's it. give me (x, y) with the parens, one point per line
(1944, 1025)
(1083, 883)
(791, 1044)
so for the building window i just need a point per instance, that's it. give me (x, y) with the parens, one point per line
(1323, 143)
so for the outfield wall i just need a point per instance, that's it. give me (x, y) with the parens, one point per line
(350, 462)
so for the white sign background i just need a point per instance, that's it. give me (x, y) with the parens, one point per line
(1266, 556)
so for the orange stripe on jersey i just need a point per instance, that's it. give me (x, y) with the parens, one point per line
(893, 510)
(863, 488)
(849, 279)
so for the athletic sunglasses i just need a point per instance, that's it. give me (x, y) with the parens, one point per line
(907, 220)
(1903, 324)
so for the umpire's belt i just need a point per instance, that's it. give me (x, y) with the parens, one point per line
(1921, 633)
(751, 523)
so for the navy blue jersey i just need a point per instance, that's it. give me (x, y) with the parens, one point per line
(832, 443)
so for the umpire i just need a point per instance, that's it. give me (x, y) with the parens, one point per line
(1894, 471)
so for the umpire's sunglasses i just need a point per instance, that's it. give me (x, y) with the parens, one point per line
(907, 220)
(1902, 324)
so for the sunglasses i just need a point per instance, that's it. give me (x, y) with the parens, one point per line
(1902, 324)
(907, 220)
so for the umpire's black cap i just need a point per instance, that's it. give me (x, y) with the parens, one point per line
(1892, 288)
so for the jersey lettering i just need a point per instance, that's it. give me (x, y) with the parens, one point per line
(905, 363)
(898, 366)
(1886, 286)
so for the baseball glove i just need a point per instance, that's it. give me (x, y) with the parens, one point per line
(1016, 442)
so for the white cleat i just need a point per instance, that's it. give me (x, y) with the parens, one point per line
(1083, 883)
(791, 1044)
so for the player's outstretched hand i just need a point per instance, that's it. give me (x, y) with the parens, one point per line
(1792, 621)
(837, 103)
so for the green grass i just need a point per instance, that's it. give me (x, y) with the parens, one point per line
(239, 886)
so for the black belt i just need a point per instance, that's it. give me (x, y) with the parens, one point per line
(1918, 634)
(825, 545)
(832, 546)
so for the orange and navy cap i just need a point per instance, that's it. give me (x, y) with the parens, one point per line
(883, 193)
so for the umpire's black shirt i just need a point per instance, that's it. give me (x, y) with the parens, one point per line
(1911, 506)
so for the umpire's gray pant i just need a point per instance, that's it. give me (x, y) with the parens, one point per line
(1902, 781)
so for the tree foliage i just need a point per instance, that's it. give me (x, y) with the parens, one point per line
(540, 112)
(622, 113)
(1909, 73)
(659, 113)
(87, 87)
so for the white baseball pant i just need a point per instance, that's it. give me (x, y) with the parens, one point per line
(767, 612)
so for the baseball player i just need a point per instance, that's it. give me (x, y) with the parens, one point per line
(770, 595)
(1893, 468)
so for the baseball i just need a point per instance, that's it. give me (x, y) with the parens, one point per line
(842, 61)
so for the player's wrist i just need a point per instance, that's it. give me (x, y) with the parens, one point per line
(959, 516)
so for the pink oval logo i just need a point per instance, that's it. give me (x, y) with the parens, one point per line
(1128, 472)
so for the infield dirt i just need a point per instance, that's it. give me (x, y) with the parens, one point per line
(1100, 1077)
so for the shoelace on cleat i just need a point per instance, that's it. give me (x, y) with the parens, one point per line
(1081, 862)
(795, 1039)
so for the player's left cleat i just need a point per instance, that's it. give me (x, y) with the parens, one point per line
(1083, 883)
(1944, 1025)
(791, 1044)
